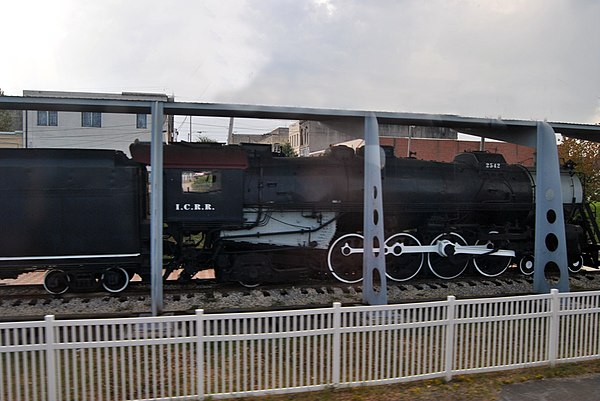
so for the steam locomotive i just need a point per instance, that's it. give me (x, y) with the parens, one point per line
(254, 217)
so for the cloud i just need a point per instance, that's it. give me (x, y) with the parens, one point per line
(187, 47)
(511, 58)
(518, 59)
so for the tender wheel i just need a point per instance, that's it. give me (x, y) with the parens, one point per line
(398, 266)
(56, 281)
(492, 266)
(450, 266)
(114, 279)
(249, 285)
(526, 265)
(576, 264)
(345, 257)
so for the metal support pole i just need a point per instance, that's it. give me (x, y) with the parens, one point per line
(374, 245)
(156, 209)
(550, 240)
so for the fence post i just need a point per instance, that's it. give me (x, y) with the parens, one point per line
(200, 353)
(449, 361)
(337, 324)
(554, 325)
(50, 358)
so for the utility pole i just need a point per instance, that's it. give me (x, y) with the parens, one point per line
(410, 127)
(230, 133)
(190, 136)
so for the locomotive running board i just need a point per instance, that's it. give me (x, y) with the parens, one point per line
(25, 258)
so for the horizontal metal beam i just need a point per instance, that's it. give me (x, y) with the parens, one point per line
(506, 130)
(75, 104)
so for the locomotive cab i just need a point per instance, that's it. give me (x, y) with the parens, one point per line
(206, 197)
(203, 183)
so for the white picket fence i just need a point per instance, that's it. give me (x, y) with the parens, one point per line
(233, 355)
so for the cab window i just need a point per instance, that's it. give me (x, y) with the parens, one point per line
(200, 181)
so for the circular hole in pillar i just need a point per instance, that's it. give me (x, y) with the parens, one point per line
(375, 217)
(376, 246)
(551, 242)
(552, 273)
(551, 216)
(376, 282)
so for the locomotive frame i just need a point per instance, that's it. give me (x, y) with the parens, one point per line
(524, 132)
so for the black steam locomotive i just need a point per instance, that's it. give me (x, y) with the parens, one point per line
(257, 218)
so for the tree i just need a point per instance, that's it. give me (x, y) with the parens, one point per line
(586, 156)
(287, 150)
(5, 118)
(204, 139)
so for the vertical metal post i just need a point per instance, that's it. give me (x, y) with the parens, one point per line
(50, 358)
(337, 344)
(156, 209)
(374, 242)
(554, 325)
(200, 353)
(449, 345)
(550, 241)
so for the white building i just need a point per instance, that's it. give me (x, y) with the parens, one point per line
(91, 130)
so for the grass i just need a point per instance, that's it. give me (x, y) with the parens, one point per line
(480, 387)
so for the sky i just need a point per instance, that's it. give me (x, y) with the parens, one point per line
(514, 59)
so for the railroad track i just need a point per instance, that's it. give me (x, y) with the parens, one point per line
(27, 302)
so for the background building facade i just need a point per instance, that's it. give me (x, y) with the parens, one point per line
(92, 130)
(444, 150)
(276, 138)
(308, 137)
